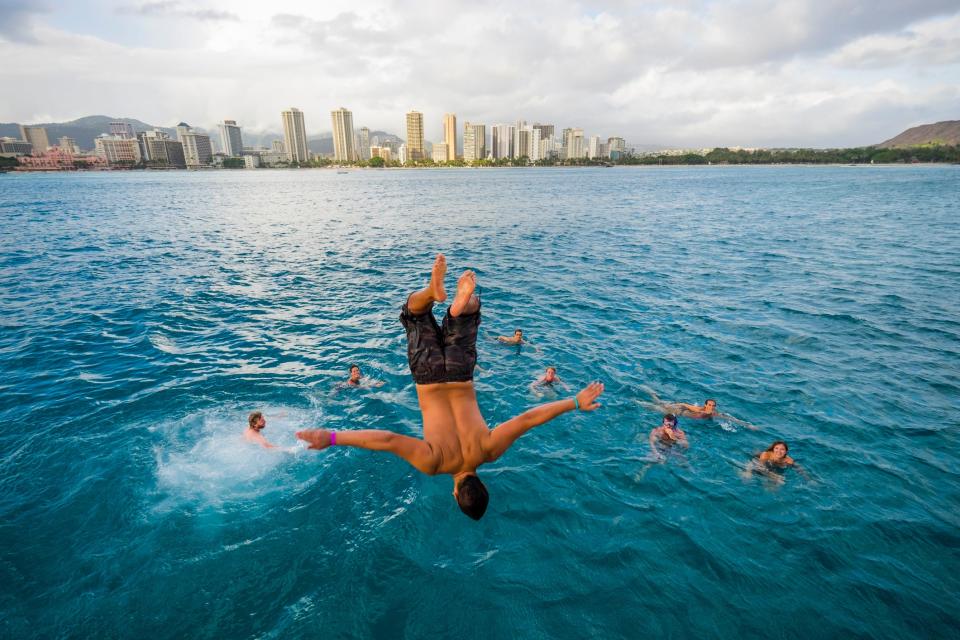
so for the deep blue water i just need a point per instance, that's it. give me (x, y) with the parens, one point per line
(145, 314)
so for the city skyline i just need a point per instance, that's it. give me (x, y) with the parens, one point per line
(804, 73)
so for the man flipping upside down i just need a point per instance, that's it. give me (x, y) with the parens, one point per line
(456, 439)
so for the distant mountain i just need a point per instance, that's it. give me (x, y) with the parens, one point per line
(83, 130)
(946, 132)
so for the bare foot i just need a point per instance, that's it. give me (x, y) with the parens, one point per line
(436, 278)
(465, 286)
(318, 438)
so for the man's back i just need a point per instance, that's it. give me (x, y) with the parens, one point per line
(453, 425)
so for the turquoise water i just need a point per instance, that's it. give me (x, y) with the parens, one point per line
(145, 314)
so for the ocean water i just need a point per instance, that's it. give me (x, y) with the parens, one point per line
(145, 314)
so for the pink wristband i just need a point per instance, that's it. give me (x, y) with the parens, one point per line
(333, 438)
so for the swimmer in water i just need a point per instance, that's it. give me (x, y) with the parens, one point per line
(667, 434)
(256, 423)
(356, 379)
(516, 339)
(549, 379)
(774, 459)
(456, 439)
(706, 411)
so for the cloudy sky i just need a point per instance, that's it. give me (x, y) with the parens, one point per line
(683, 73)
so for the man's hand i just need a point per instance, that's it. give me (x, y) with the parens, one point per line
(587, 398)
(317, 438)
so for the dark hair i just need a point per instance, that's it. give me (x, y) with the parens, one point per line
(552, 367)
(472, 497)
(671, 418)
(518, 330)
(354, 366)
(786, 448)
(710, 400)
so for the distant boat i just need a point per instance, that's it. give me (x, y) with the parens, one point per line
(608, 164)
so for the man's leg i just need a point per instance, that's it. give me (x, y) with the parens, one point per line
(460, 328)
(424, 339)
(422, 301)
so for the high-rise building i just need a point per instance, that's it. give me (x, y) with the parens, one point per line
(502, 141)
(593, 148)
(276, 146)
(183, 129)
(546, 130)
(295, 135)
(343, 142)
(68, 144)
(381, 152)
(37, 136)
(230, 138)
(521, 143)
(573, 143)
(474, 142)
(534, 150)
(439, 152)
(364, 146)
(118, 150)
(122, 130)
(15, 146)
(414, 136)
(450, 135)
(197, 150)
(402, 154)
(616, 148)
(158, 150)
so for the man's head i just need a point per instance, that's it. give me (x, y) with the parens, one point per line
(518, 334)
(710, 405)
(471, 495)
(670, 421)
(257, 421)
(354, 373)
(551, 374)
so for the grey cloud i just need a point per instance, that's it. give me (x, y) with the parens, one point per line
(175, 9)
(16, 20)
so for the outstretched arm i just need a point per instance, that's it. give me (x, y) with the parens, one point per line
(742, 423)
(415, 451)
(507, 433)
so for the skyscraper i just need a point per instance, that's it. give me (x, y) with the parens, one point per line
(343, 148)
(593, 149)
(231, 138)
(546, 130)
(37, 136)
(414, 136)
(474, 142)
(450, 135)
(68, 144)
(502, 141)
(295, 135)
(364, 143)
(616, 148)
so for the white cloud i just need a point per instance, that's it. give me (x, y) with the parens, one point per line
(795, 72)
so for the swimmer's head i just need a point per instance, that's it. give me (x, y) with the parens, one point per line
(551, 373)
(778, 449)
(471, 495)
(670, 420)
(257, 421)
(354, 372)
(518, 333)
(710, 405)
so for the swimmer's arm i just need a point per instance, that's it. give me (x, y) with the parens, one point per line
(415, 451)
(505, 434)
(260, 440)
(742, 423)
(653, 442)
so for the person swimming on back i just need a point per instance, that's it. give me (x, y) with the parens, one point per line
(257, 423)
(667, 434)
(516, 339)
(706, 411)
(549, 379)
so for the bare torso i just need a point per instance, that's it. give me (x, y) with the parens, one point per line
(453, 425)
